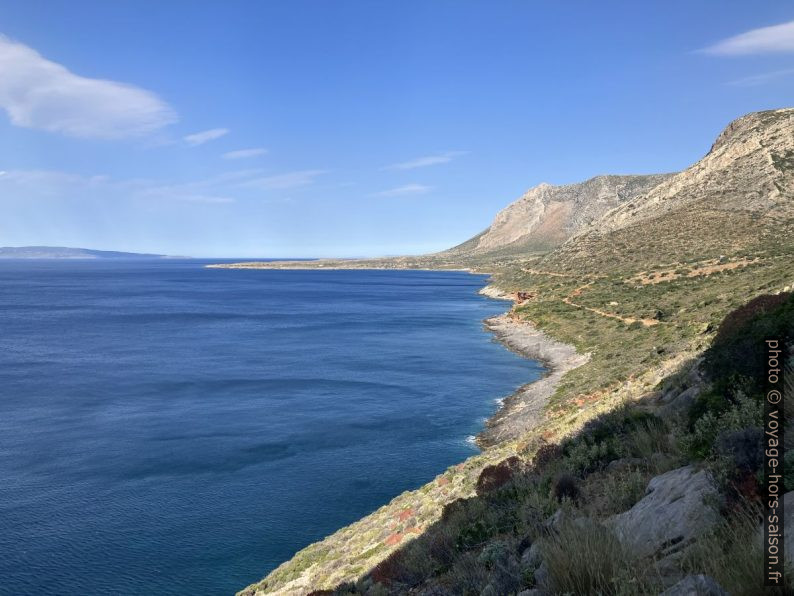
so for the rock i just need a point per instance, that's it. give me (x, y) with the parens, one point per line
(532, 557)
(542, 577)
(695, 585)
(677, 405)
(489, 590)
(554, 523)
(677, 507)
(694, 376)
(531, 592)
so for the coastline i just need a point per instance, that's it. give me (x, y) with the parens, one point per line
(338, 557)
(523, 410)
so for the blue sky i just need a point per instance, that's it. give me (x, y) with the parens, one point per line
(294, 128)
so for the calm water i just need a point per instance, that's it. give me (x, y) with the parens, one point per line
(167, 428)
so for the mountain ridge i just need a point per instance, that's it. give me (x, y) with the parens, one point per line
(66, 252)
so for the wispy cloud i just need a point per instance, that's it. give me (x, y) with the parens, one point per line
(283, 181)
(38, 93)
(244, 153)
(763, 78)
(223, 188)
(766, 40)
(199, 138)
(428, 160)
(408, 189)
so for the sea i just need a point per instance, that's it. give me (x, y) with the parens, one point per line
(167, 428)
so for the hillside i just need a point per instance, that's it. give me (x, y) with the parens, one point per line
(642, 291)
(63, 252)
(546, 216)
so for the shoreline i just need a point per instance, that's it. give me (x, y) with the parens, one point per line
(384, 530)
(520, 411)
(523, 409)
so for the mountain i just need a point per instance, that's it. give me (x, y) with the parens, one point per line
(546, 216)
(736, 201)
(63, 252)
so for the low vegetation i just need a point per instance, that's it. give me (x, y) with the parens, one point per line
(561, 497)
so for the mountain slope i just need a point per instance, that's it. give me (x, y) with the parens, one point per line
(545, 216)
(735, 201)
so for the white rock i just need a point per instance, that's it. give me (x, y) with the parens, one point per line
(677, 508)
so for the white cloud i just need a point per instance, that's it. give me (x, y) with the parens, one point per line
(199, 138)
(763, 78)
(766, 40)
(408, 189)
(428, 160)
(224, 188)
(243, 153)
(282, 181)
(38, 93)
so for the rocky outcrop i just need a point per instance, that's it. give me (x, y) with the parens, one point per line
(749, 167)
(678, 506)
(736, 201)
(545, 216)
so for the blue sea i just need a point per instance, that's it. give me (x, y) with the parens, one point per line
(166, 428)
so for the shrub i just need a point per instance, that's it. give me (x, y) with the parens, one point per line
(733, 556)
(566, 487)
(494, 553)
(736, 361)
(497, 475)
(586, 559)
(744, 448)
(545, 455)
(700, 442)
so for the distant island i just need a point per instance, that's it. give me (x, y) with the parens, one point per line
(64, 252)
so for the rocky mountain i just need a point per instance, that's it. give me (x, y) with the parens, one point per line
(63, 252)
(737, 200)
(546, 216)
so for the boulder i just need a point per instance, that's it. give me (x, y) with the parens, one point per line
(695, 585)
(532, 557)
(678, 404)
(542, 577)
(678, 506)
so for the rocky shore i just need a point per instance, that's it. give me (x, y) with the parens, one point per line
(524, 409)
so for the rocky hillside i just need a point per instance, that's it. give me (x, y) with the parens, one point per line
(546, 216)
(735, 201)
(554, 504)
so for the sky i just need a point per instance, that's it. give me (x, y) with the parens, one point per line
(353, 128)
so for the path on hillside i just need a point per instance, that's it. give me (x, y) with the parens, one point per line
(628, 320)
(568, 299)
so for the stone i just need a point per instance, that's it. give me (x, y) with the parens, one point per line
(542, 577)
(678, 506)
(695, 585)
(532, 557)
(677, 405)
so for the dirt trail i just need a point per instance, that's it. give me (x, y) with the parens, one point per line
(568, 299)
(628, 320)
